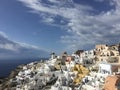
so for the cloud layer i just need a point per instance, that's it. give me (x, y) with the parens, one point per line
(84, 27)
(13, 50)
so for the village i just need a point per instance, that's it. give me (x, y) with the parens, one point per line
(96, 69)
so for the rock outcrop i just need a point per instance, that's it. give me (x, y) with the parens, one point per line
(5, 82)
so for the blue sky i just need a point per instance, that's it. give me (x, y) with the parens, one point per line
(60, 25)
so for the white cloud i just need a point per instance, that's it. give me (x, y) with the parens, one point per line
(3, 34)
(48, 20)
(54, 1)
(15, 50)
(82, 25)
(28, 46)
(8, 46)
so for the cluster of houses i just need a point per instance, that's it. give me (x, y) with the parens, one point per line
(97, 69)
(103, 63)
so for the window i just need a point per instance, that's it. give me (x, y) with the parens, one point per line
(118, 84)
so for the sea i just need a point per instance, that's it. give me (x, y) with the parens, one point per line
(6, 66)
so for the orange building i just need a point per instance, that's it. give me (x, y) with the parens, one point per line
(112, 83)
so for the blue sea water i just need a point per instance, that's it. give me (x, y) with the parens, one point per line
(6, 66)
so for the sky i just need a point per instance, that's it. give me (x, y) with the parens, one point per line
(57, 25)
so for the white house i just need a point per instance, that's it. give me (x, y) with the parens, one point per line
(108, 68)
